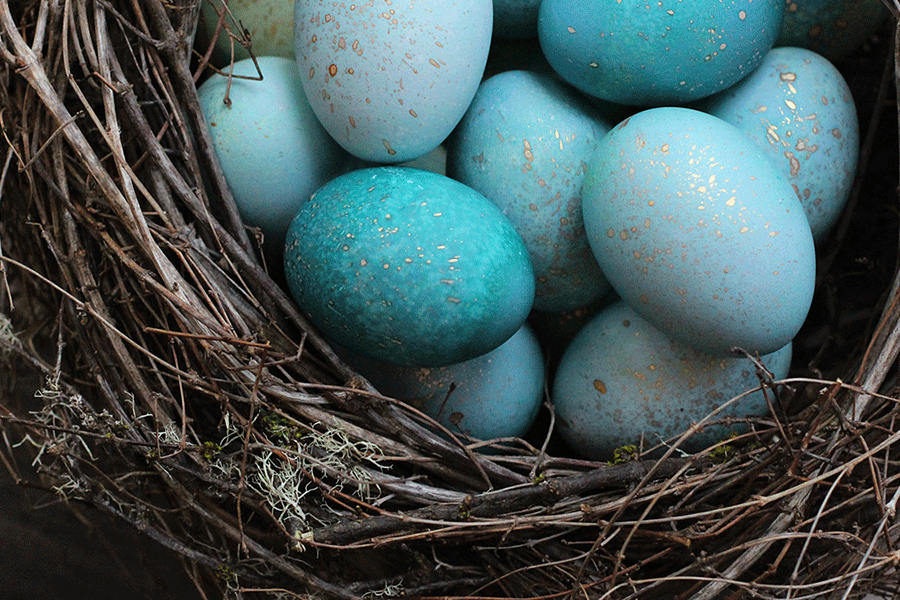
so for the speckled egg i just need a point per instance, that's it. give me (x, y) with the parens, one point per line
(496, 395)
(699, 232)
(273, 150)
(623, 382)
(409, 267)
(525, 143)
(656, 53)
(270, 24)
(798, 108)
(389, 82)
(832, 28)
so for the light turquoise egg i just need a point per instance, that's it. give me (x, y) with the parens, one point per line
(832, 28)
(496, 395)
(273, 151)
(409, 267)
(525, 143)
(656, 53)
(623, 382)
(390, 81)
(799, 109)
(699, 232)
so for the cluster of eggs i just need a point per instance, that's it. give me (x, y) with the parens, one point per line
(670, 167)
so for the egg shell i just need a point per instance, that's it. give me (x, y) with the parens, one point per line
(273, 150)
(408, 267)
(525, 143)
(496, 395)
(832, 28)
(797, 106)
(389, 83)
(696, 229)
(270, 24)
(516, 19)
(621, 381)
(656, 53)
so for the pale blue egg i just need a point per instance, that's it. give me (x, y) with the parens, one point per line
(273, 150)
(409, 267)
(496, 395)
(389, 82)
(623, 382)
(699, 232)
(525, 143)
(799, 109)
(656, 53)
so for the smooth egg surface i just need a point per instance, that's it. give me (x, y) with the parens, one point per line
(623, 382)
(697, 230)
(496, 395)
(390, 81)
(799, 109)
(656, 53)
(273, 150)
(409, 267)
(525, 143)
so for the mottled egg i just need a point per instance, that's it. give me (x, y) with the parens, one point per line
(525, 143)
(390, 82)
(699, 232)
(273, 150)
(797, 106)
(496, 395)
(269, 23)
(656, 53)
(832, 28)
(623, 382)
(408, 267)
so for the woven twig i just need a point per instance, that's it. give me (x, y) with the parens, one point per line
(186, 394)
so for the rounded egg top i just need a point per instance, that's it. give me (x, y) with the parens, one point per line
(390, 81)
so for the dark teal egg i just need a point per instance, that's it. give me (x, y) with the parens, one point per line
(409, 267)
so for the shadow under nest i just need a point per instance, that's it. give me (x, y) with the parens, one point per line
(185, 394)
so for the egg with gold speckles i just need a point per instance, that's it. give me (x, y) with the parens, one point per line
(621, 381)
(797, 106)
(409, 267)
(656, 53)
(524, 143)
(390, 80)
(699, 232)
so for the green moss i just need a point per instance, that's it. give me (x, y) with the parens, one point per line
(624, 454)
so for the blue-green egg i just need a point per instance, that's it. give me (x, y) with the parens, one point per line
(699, 232)
(273, 150)
(525, 143)
(798, 108)
(623, 382)
(409, 267)
(656, 53)
(496, 395)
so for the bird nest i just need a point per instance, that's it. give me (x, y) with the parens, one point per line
(183, 392)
